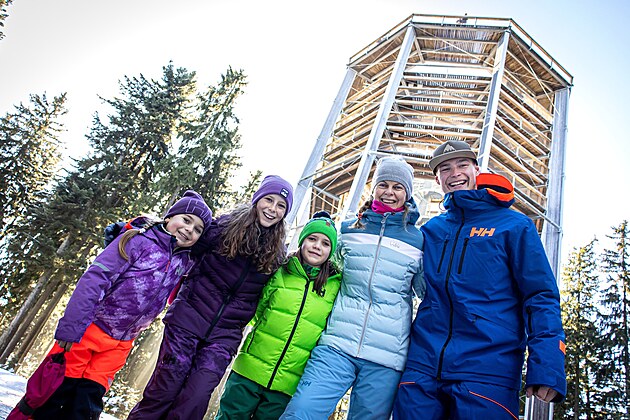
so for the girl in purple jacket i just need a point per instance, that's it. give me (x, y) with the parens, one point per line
(204, 325)
(118, 296)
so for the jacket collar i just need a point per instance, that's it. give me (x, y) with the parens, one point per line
(473, 200)
(294, 267)
(164, 239)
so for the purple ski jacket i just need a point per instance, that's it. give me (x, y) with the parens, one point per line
(123, 297)
(220, 295)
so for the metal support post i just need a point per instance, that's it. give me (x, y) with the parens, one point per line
(489, 120)
(552, 233)
(376, 133)
(306, 179)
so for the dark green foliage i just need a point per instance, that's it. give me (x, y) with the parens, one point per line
(207, 156)
(613, 377)
(580, 314)
(37, 237)
(129, 148)
(30, 152)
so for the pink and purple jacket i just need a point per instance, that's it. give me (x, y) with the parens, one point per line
(124, 297)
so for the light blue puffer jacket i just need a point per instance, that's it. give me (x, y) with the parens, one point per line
(372, 313)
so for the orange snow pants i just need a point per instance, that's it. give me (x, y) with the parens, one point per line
(96, 357)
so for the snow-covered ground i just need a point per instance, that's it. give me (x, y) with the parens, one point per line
(12, 389)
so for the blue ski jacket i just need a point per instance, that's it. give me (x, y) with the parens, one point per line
(490, 295)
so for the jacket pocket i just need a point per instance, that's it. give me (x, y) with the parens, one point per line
(496, 322)
(461, 258)
(442, 255)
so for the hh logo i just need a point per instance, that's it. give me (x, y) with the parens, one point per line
(481, 232)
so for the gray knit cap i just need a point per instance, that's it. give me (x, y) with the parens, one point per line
(394, 168)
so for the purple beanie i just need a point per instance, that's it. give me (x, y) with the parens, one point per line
(273, 184)
(192, 203)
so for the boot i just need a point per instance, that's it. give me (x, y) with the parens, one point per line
(57, 406)
(88, 401)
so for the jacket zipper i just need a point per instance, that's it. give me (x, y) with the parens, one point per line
(442, 256)
(376, 254)
(286, 346)
(450, 298)
(461, 259)
(228, 298)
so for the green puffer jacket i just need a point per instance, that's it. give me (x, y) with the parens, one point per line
(288, 322)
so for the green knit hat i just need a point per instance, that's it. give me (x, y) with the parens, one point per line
(320, 223)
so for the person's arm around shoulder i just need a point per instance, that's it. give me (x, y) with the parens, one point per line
(418, 282)
(192, 262)
(546, 377)
(209, 240)
(337, 259)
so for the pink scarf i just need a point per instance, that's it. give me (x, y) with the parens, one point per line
(381, 208)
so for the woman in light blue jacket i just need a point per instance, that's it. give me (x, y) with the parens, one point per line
(365, 342)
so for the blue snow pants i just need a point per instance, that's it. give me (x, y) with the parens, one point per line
(329, 374)
(421, 396)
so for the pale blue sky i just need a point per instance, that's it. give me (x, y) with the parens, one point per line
(295, 55)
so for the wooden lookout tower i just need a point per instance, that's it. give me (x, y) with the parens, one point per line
(433, 78)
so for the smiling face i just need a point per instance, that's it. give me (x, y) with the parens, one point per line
(186, 228)
(390, 193)
(457, 174)
(315, 249)
(271, 209)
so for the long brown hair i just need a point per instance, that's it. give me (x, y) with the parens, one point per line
(126, 237)
(326, 270)
(245, 236)
(368, 205)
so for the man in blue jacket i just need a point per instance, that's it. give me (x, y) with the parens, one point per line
(490, 296)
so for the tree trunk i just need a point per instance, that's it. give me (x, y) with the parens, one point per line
(27, 320)
(35, 332)
(19, 319)
(587, 409)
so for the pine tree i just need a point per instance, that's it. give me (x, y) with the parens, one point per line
(131, 148)
(58, 236)
(614, 374)
(30, 152)
(580, 313)
(207, 156)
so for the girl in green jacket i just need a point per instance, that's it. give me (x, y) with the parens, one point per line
(290, 317)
